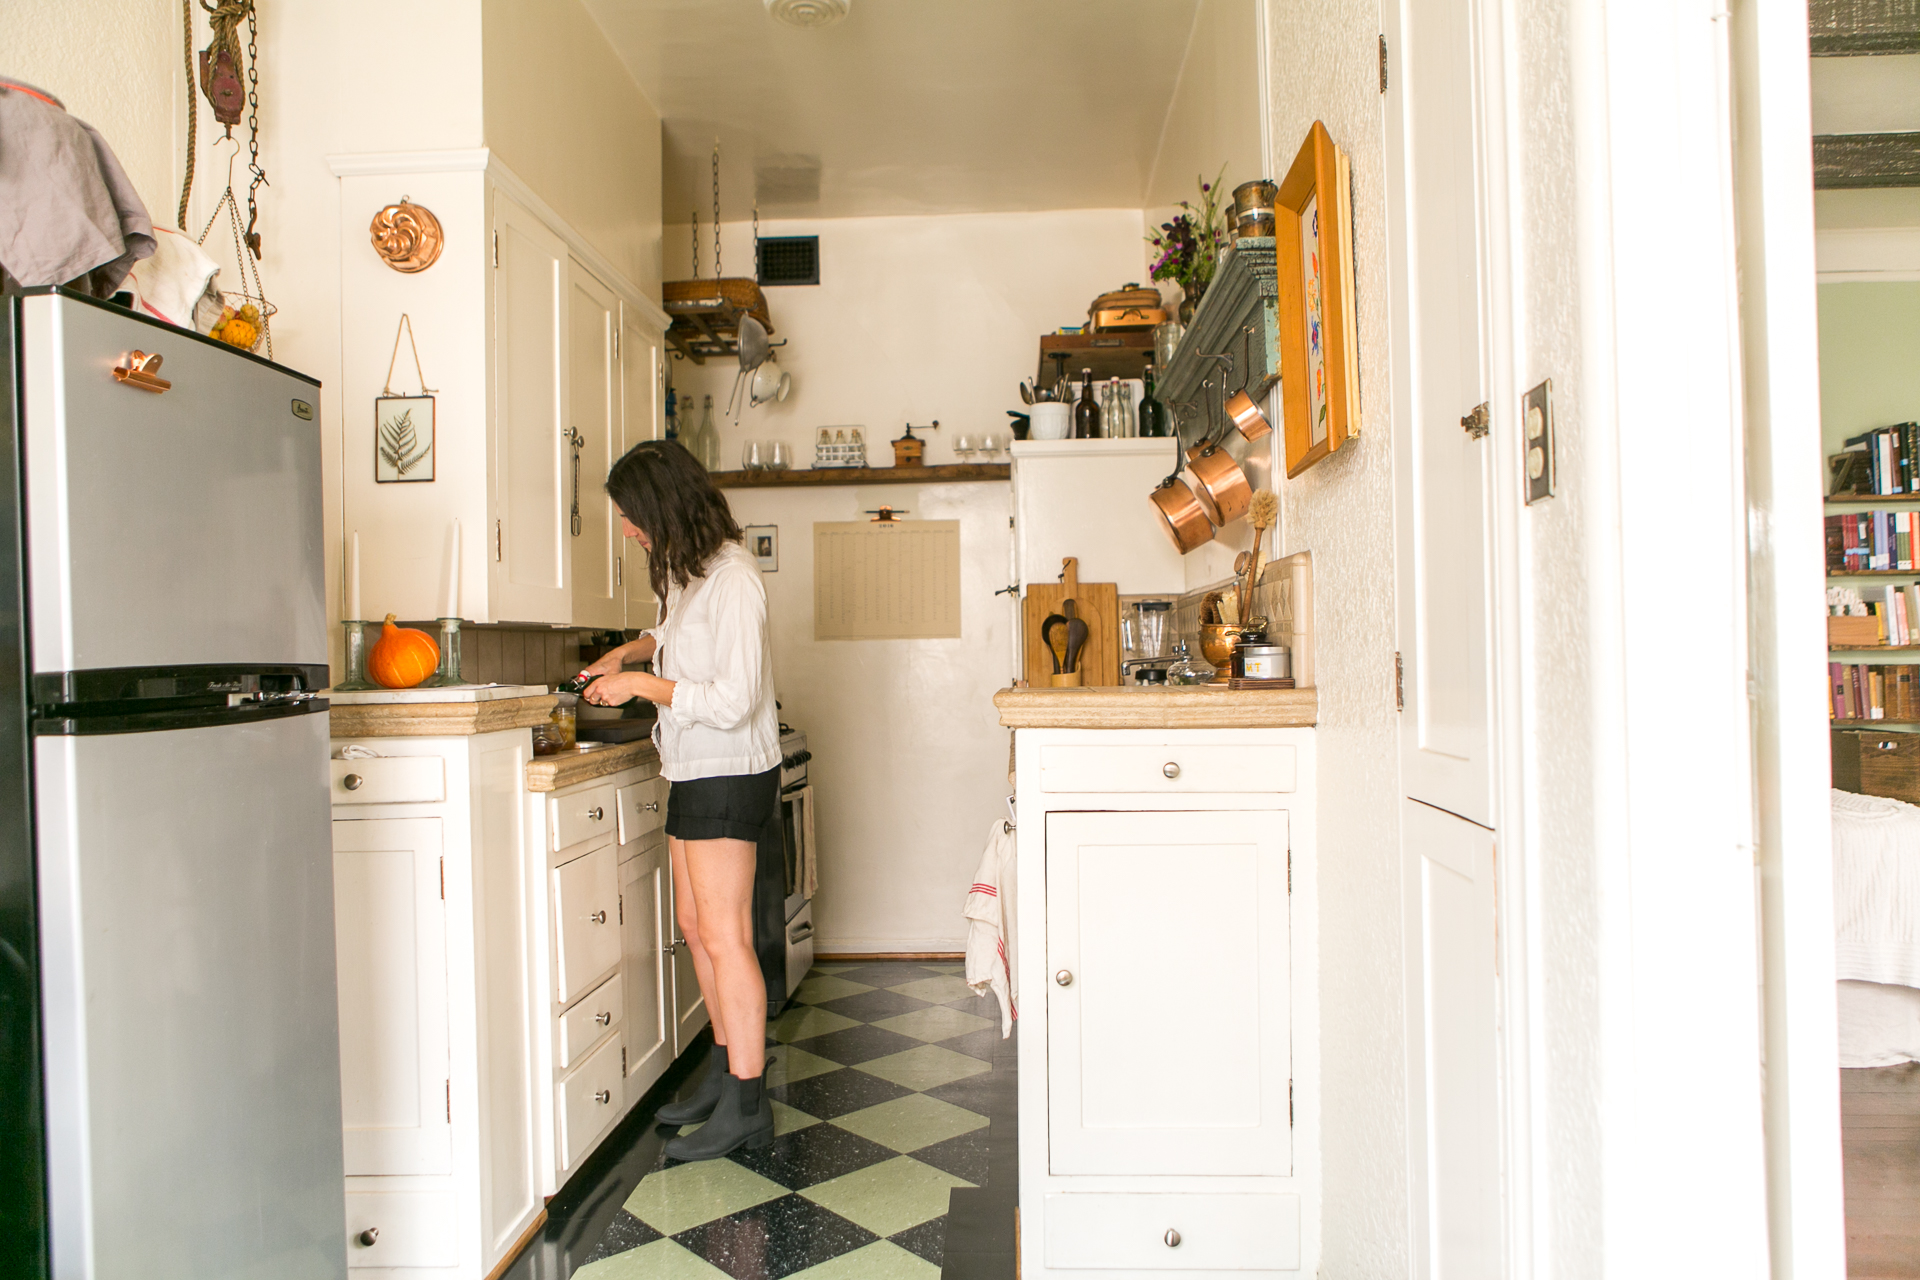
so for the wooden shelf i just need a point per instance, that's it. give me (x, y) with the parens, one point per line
(1873, 499)
(1245, 294)
(1873, 648)
(1874, 724)
(815, 479)
(1875, 573)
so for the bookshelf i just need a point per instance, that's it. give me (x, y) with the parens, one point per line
(1873, 499)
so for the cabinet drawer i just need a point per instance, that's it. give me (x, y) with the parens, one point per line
(389, 780)
(643, 808)
(1214, 1232)
(408, 1229)
(1167, 769)
(587, 1021)
(580, 815)
(589, 1101)
(586, 922)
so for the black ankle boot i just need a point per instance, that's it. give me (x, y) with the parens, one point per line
(697, 1108)
(744, 1118)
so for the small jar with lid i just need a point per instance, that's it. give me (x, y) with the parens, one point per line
(1253, 633)
(1188, 668)
(565, 720)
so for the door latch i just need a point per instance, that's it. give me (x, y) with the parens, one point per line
(1476, 423)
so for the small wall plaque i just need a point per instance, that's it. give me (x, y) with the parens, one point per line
(407, 236)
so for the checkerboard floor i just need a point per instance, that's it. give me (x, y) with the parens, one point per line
(879, 1083)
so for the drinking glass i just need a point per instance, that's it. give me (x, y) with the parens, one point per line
(752, 458)
(963, 446)
(778, 459)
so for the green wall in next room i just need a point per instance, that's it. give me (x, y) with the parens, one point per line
(1869, 357)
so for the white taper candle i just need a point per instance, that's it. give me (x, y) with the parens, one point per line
(453, 578)
(353, 580)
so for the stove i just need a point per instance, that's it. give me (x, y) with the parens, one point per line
(796, 824)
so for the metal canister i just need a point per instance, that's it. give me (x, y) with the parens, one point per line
(1264, 661)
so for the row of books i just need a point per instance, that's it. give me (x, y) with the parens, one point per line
(1891, 462)
(1863, 692)
(1895, 606)
(1867, 541)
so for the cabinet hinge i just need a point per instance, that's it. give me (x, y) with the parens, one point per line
(449, 1102)
(623, 1060)
(616, 344)
(496, 248)
(621, 907)
(496, 542)
(620, 571)
(1399, 684)
(1383, 62)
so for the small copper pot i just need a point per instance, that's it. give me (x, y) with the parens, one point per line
(1183, 518)
(1247, 418)
(1217, 640)
(1219, 483)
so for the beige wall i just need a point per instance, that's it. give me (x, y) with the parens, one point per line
(564, 115)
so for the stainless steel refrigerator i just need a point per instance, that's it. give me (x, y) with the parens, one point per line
(168, 1026)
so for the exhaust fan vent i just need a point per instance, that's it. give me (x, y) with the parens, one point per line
(790, 260)
(809, 13)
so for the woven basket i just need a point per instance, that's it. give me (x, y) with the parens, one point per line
(739, 290)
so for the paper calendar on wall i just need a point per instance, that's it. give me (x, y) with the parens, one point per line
(898, 580)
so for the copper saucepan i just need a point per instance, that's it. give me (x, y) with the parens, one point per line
(1218, 482)
(1182, 516)
(1247, 418)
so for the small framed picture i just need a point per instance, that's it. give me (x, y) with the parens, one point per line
(402, 439)
(1313, 259)
(764, 541)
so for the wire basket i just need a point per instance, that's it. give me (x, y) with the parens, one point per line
(237, 326)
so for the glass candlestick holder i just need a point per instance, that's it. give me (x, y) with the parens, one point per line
(449, 673)
(356, 632)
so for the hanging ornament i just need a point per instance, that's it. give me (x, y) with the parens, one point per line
(407, 236)
(220, 61)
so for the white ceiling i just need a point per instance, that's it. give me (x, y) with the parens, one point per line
(908, 106)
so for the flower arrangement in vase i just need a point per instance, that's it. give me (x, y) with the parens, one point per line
(1189, 246)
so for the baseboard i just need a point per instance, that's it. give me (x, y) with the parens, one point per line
(519, 1246)
(842, 957)
(826, 945)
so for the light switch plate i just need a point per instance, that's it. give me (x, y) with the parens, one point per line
(1536, 418)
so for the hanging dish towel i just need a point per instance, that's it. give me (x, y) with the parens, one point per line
(175, 282)
(992, 961)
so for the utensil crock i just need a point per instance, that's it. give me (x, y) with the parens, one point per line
(1050, 421)
(1217, 640)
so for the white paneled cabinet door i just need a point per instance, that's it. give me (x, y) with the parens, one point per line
(1168, 931)
(1441, 465)
(593, 334)
(532, 561)
(390, 936)
(647, 968)
(643, 376)
(689, 1006)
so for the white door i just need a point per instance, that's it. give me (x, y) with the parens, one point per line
(1168, 931)
(532, 561)
(689, 1006)
(1453, 1097)
(1440, 468)
(647, 951)
(595, 384)
(643, 378)
(389, 924)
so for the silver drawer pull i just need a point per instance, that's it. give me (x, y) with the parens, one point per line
(604, 1019)
(1170, 769)
(1064, 978)
(603, 1096)
(352, 783)
(652, 806)
(366, 1238)
(598, 917)
(1172, 1238)
(596, 813)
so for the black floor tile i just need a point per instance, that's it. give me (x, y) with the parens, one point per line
(981, 1044)
(963, 1157)
(871, 1006)
(977, 1094)
(977, 1266)
(924, 1239)
(837, 1093)
(890, 973)
(807, 1157)
(774, 1239)
(855, 1045)
(623, 1233)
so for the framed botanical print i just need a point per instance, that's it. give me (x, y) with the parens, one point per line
(1313, 259)
(402, 438)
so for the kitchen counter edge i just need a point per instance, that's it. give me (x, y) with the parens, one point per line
(438, 719)
(1196, 707)
(551, 773)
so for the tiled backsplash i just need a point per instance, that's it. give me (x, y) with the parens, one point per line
(1284, 597)
(516, 655)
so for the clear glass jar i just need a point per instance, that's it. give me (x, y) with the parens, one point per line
(1188, 668)
(565, 720)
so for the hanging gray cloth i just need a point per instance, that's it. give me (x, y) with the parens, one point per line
(68, 212)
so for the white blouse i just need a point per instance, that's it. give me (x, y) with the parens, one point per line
(713, 645)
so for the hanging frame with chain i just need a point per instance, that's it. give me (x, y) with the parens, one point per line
(403, 425)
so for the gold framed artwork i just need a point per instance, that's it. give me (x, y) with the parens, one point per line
(1313, 258)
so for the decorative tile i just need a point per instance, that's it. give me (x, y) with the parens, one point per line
(912, 1122)
(803, 1022)
(796, 1064)
(815, 1154)
(926, 1067)
(926, 1240)
(881, 1260)
(623, 1233)
(935, 1024)
(936, 990)
(775, 1239)
(888, 1198)
(825, 987)
(870, 1006)
(837, 1093)
(661, 1260)
(686, 1195)
(963, 1157)
(856, 1044)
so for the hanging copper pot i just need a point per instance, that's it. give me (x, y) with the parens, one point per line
(1247, 418)
(1183, 517)
(1218, 482)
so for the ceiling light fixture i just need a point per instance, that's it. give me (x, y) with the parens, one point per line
(809, 13)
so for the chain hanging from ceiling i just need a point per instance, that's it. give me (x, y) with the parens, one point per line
(229, 76)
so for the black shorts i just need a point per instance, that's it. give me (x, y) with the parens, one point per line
(739, 806)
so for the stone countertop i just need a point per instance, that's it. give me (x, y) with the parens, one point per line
(451, 719)
(588, 761)
(446, 693)
(1180, 707)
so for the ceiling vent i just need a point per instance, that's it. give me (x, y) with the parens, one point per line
(789, 260)
(809, 13)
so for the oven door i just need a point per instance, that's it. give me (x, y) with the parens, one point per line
(796, 817)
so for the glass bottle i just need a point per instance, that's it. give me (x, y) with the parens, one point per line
(709, 450)
(673, 417)
(1153, 414)
(1120, 422)
(1086, 413)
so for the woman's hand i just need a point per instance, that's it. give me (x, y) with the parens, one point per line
(607, 664)
(612, 690)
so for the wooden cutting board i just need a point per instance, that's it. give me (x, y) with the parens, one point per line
(1099, 608)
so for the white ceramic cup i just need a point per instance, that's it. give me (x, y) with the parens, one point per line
(1050, 421)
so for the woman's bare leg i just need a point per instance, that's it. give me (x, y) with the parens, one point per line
(686, 913)
(722, 876)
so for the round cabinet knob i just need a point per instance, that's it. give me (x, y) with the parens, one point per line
(604, 1019)
(352, 781)
(1172, 1238)
(598, 917)
(1170, 769)
(366, 1238)
(653, 806)
(603, 1097)
(1064, 978)
(596, 813)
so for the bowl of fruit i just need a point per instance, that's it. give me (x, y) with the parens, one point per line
(243, 321)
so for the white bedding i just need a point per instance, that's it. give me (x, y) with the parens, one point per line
(1876, 889)
(1879, 1024)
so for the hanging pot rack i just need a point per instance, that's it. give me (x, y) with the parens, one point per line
(706, 312)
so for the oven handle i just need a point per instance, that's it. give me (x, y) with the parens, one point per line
(800, 932)
(793, 788)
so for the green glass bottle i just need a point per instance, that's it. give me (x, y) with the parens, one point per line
(1154, 419)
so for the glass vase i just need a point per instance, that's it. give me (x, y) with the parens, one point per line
(356, 633)
(449, 673)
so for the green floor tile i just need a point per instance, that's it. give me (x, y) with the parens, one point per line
(825, 987)
(661, 1260)
(935, 1024)
(787, 1065)
(926, 1067)
(687, 1195)
(912, 1122)
(938, 990)
(785, 1120)
(803, 1022)
(887, 1197)
(881, 1260)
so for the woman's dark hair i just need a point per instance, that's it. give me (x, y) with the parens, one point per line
(668, 496)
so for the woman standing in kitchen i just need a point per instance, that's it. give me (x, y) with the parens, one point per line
(719, 739)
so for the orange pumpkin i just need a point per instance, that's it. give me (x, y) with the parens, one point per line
(402, 657)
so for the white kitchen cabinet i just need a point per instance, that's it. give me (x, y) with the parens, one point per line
(690, 1016)
(646, 932)
(643, 416)
(593, 337)
(532, 576)
(1168, 1087)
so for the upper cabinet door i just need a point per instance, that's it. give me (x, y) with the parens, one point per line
(532, 560)
(592, 444)
(643, 381)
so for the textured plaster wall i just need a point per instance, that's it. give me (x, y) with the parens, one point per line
(1213, 118)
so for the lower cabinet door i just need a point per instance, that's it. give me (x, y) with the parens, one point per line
(689, 1006)
(1168, 1045)
(591, 1097)
(586, 922)
(401, 1229)
(1173, 1232)
(390, 939)
(647, 967)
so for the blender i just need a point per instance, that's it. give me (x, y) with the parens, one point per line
(1144, 638)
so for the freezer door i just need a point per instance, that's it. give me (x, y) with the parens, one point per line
(170, 529)
(192, 1043)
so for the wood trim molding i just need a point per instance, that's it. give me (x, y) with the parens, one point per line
(519, 1246)
(1849, 161)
